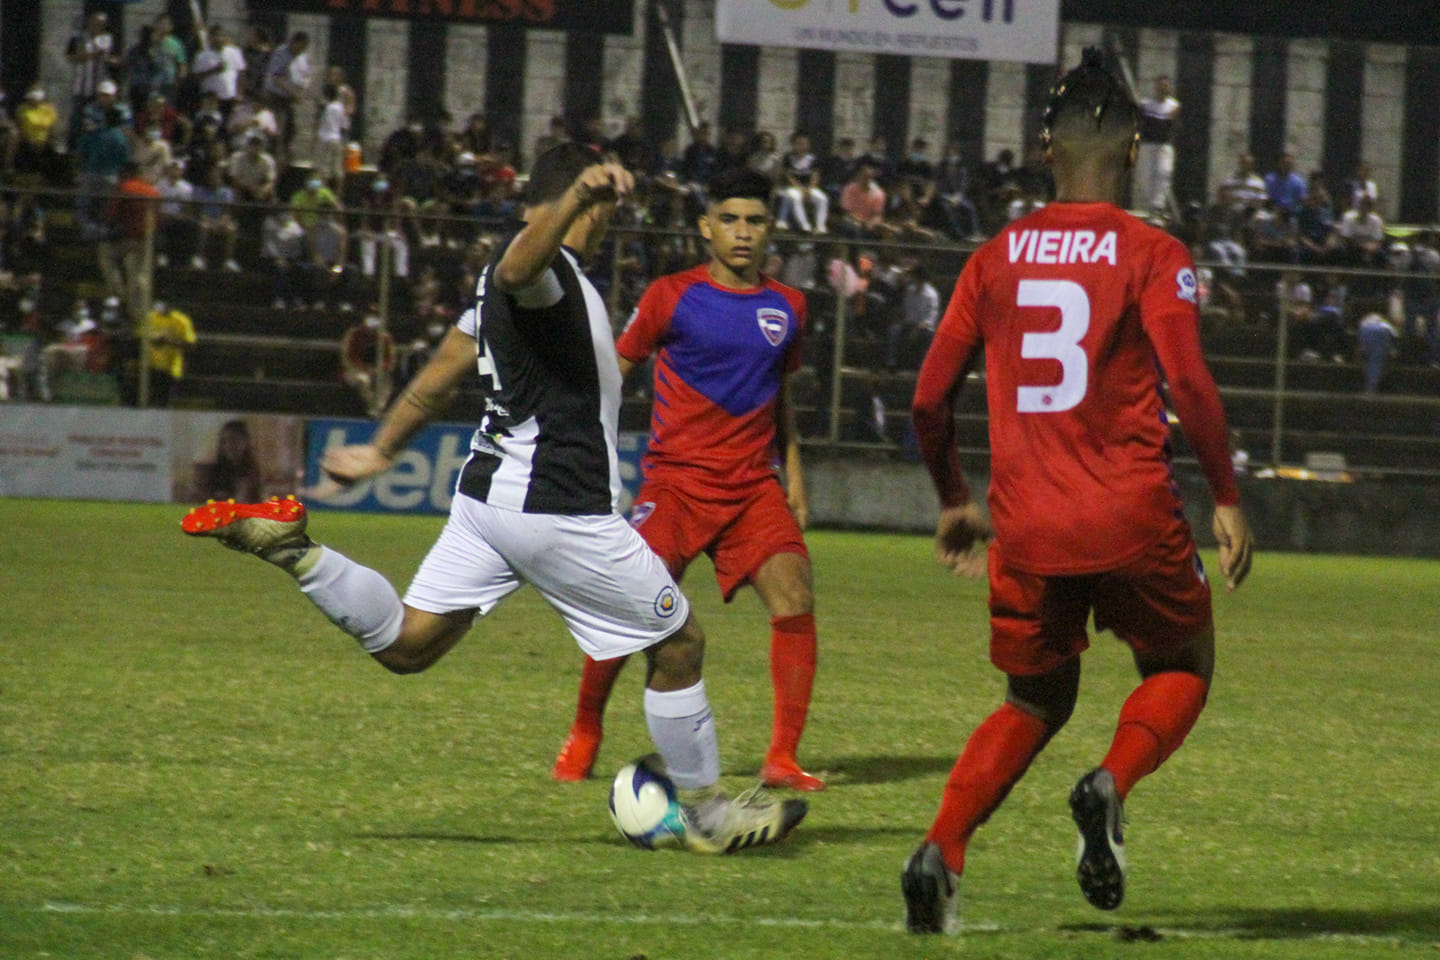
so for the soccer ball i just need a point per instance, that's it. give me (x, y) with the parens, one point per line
(645, 807)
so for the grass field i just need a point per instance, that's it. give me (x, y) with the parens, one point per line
(193, 763)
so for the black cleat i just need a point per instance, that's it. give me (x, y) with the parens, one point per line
(1100, 858)
(932, 892)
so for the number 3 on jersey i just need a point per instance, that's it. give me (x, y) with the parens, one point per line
(1063, 345)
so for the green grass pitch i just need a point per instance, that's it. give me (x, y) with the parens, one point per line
(194, 764)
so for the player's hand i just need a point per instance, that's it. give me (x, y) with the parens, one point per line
(1237, 544)
(603, 183)
(347, 465)
(960, 539)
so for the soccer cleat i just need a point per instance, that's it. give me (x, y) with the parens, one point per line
(719, 824)
(257, 528)
(932, 892)
(786, 773)
(577, 756)
(1100, 857)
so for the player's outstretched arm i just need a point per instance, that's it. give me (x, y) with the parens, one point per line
(424, 399)
(529, 255)
(1237, 545)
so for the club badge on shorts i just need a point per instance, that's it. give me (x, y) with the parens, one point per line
(640, 511)
(666, 603)
(773, 323)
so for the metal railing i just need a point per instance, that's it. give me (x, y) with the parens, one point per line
(860, 347)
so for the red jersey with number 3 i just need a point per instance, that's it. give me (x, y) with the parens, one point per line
(1082, 311)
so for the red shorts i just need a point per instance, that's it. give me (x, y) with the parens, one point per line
(1159, 602)
(739, 534)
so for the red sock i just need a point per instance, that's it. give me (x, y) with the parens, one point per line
(995, 758)
(596, 682)
(1153, 724)
(792, 674)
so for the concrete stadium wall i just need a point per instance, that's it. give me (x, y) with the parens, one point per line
(1377, 518)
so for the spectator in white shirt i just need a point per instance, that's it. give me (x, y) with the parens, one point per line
(799, 184)
(287, 77)
(1362, 233)
(911, 331)
(330, 133)
(219, 67)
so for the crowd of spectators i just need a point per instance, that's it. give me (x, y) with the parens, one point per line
(207, 125)
(1287, 219)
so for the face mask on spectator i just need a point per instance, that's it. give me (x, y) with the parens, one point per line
(312, 185)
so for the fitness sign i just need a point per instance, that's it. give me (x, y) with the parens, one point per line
(599, 16)
(1024, 31)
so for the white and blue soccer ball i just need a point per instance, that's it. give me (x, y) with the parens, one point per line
(645, 806)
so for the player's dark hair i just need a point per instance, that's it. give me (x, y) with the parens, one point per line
(1091, 102)
(739, 182)
(555, 170)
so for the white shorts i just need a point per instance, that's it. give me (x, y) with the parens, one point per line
(616, 596)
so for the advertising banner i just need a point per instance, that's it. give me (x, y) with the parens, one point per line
(147, 456)
(1025, 31)
(85, 453)
(422, 480)
(241, 456)
(600, 16)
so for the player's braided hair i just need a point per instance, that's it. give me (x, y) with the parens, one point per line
(1093, 92)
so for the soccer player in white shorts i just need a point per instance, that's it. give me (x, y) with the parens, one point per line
(535, 503)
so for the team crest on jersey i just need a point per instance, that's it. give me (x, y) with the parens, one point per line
(773, 323)
(640, 512)
(1189, 289)
(666, 603)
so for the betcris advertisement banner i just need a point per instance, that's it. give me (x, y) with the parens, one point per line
(1022, 31)
(422, 479)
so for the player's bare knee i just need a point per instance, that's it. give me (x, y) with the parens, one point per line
(423, 640)
(784, 583)
(405, 659)
(675, 662)
(794, 600)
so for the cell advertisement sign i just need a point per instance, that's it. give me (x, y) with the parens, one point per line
(423, 477)
(1023, 31)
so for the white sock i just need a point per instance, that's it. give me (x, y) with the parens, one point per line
(356, 599)
(684, 732)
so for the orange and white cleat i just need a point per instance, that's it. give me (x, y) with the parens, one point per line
(256, 528)
(785, 772)
(577, 756)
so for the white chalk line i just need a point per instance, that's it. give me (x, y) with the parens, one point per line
(480, 914)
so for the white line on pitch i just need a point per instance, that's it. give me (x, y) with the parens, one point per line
(644, 919)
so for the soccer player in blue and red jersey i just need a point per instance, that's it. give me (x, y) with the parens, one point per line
(725, 339)
(1082, 311)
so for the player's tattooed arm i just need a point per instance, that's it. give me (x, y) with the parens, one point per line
(425, 398)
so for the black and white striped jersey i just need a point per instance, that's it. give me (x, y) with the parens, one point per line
(551, 383)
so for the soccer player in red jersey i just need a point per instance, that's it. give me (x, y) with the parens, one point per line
(726, 339)
(1084, 314)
